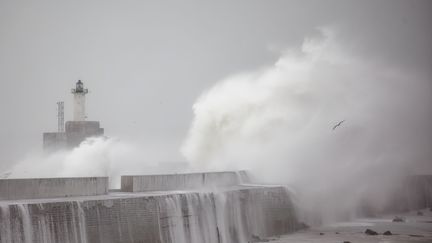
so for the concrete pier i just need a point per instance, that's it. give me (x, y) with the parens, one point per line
(169, 217)
(190, 208)
(180, 208)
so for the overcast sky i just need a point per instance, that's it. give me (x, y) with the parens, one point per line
(146, 62)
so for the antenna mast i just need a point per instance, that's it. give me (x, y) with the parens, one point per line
(60, 116)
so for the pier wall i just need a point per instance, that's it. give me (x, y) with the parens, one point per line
(143, 183)
(15, 189)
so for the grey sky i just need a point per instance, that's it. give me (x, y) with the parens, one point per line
(145, 62)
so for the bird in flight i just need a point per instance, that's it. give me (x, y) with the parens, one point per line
(340, 123)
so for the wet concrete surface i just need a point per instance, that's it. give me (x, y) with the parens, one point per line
(417, 227)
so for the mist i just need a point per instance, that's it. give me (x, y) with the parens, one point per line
(96, 156)
(277, 122)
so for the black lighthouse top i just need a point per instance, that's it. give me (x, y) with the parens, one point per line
(79, 88)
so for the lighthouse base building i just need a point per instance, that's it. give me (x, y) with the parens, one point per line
(75, 133)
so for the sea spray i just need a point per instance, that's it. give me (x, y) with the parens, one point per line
(110, 157)
(277, 122)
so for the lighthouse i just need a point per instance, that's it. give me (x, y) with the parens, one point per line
(74, 132)
(79, 101)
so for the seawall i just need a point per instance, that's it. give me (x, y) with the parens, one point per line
(207, 207)
(230, 216)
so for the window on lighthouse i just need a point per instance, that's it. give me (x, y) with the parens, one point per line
(79, 86)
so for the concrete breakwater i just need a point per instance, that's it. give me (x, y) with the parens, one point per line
(231, 213)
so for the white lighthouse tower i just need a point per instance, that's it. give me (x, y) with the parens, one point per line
(79, 101)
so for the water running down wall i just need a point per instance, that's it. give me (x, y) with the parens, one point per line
(55, 222)
(231, 216)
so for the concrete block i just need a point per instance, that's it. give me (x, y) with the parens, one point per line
(142, 183)
(14, 189)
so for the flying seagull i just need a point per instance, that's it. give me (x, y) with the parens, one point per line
(338, 124)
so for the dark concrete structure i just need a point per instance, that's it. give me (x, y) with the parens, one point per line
(76, 132)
